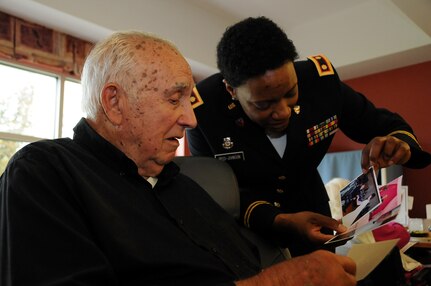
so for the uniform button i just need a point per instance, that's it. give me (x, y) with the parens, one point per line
(277, 204)
(280, 191)
(214, 250)
(180, 221)
(122, 173)
(282, 178)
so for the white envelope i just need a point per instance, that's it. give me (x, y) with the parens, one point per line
(368, 255)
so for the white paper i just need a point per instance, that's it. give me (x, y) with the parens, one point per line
(410, 202)
(428, 210)
(368, 256)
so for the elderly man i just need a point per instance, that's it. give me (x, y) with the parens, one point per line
(110, 208)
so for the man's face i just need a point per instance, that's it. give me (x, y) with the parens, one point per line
(158, 109)
(268, 99)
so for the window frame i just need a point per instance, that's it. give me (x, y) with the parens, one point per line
(59, 106)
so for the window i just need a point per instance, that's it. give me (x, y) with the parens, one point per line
(72, 111)
(28, 102)
(35, 105)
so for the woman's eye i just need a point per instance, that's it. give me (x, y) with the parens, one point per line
(262, 105)
(290, 95)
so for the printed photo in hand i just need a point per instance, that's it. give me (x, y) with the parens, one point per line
(387, 210)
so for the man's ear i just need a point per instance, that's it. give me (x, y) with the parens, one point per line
(230, 89)
(110, 99)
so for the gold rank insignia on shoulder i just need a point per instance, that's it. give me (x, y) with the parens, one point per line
(195, 98)
(297, 109)
(323, 65)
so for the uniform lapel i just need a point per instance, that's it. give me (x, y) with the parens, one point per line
(253, 138)
(295, 138)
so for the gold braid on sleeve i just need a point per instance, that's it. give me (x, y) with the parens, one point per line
(250, 208)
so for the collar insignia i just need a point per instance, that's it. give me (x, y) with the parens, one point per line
(227, 143)
(195, 98)
(231, 106)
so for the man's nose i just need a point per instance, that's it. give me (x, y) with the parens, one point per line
(188, 118)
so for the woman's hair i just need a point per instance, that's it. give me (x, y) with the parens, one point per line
(250, 48)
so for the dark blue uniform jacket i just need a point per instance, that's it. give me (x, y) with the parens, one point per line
(270, 184)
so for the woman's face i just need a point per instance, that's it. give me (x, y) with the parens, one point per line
(268, 99)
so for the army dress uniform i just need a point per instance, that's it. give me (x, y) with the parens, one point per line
(271, 184)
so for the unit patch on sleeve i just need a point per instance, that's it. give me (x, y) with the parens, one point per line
(322, 130)
(323, 65)
(195, 98)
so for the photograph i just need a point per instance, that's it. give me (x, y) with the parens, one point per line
(387, 210)
(359, 197)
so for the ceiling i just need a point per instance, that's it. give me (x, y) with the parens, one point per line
(360, 37)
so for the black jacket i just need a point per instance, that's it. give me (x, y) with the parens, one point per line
(76, 212)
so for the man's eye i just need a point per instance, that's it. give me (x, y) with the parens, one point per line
(174, 101)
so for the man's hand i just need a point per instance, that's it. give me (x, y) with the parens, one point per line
(382, 152)
(317, 268)
(308, 225)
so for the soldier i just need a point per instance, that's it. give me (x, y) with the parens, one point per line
(273, 118)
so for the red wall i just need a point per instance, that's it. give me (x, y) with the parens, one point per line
(406, 91)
